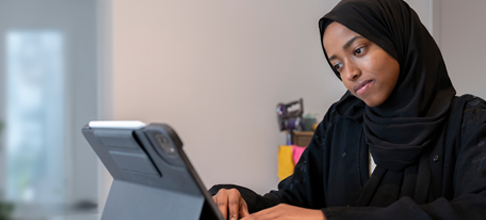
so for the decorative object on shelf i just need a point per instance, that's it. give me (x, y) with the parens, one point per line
(299, 133)
(297, 153)
(309, 121)
(285, 162)
(289, 116)
(288, 157)
(6, 209)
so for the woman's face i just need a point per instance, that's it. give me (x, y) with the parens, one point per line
(367, 71)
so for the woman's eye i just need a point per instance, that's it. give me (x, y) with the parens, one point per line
(358, 51)
(338, 66)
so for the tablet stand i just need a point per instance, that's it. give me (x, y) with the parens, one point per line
(132, 201)
(152, 176)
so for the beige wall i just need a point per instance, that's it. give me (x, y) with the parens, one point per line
(458, 29)
(424, 10)
(462, 34)
(215, 70)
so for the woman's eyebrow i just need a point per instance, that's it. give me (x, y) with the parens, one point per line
(347, 44)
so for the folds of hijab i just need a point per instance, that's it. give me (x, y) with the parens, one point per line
(408, 124)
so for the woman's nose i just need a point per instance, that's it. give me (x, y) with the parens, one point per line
(352, 72)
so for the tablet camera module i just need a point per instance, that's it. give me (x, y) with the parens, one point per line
(165, 144)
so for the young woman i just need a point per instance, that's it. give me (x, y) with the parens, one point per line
(401, 112)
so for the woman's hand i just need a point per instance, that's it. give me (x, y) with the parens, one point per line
(287, 212)
(231, 204)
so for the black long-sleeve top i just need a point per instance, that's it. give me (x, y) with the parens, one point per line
(334, 168)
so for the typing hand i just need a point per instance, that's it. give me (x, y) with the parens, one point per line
(231, 204)
(287, 212)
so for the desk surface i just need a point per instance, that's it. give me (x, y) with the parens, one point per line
(77, 217)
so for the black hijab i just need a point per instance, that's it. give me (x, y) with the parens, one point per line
(400, 132)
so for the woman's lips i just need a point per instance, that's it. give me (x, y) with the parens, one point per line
(362, 86)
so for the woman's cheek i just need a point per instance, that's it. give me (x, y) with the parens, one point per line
(370, 62)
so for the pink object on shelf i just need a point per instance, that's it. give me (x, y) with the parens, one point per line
(297, 152)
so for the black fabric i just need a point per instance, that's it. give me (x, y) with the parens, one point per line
(409, 122)
(325, 179)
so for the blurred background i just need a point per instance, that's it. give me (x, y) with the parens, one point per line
(51, 60)
(214, 70)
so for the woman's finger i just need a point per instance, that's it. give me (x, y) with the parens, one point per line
(221, 200)
(243, 208)
(233, 204)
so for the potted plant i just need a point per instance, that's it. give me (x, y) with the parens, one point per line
(6, 208)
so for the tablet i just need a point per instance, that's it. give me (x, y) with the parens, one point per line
(152, 176)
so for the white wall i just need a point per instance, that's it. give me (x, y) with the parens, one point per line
(215, 70)
(424, 10)
(462, 34)
(457, 27)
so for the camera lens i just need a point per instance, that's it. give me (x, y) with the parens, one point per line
(165, 144)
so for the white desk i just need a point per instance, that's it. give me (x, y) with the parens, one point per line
(77, 217)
